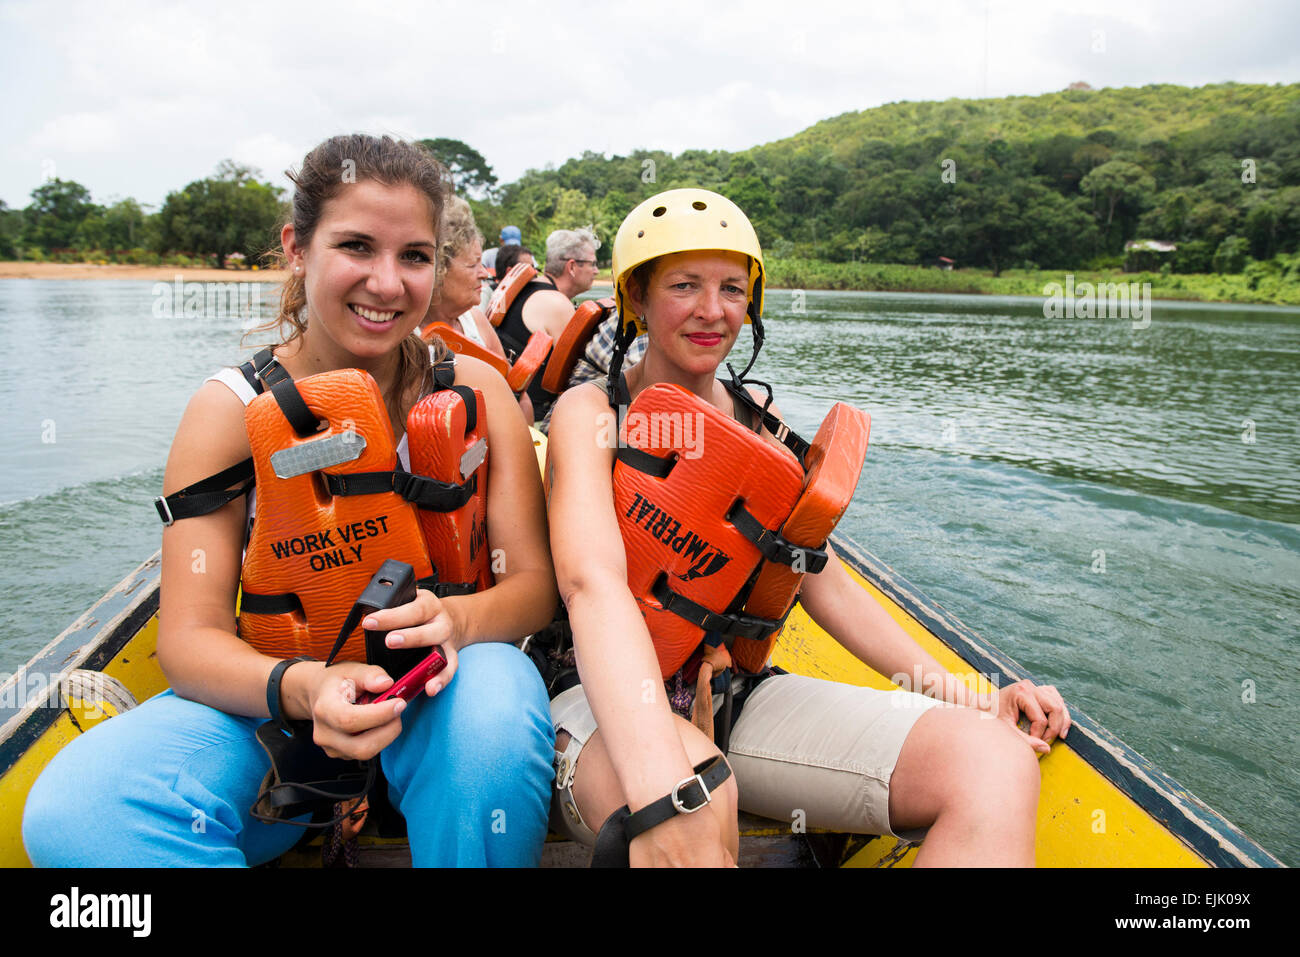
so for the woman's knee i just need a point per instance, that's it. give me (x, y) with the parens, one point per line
(501, 701)
(958, 757)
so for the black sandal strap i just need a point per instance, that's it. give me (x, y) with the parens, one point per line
(688, 796)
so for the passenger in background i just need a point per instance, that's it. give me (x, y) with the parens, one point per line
(594, 362)
(460, 275)
(507, 258)
(510, 236)
(546, 303)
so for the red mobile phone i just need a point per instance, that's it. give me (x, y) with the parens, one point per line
(409, 685)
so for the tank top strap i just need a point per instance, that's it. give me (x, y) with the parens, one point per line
(234, 380)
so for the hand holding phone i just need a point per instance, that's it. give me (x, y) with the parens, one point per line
(410, 684)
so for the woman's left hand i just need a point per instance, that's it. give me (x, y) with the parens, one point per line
(425, 622)
(1042, 706)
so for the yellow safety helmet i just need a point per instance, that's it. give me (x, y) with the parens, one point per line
(684, 220)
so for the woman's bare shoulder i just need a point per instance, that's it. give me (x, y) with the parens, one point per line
(211, 437)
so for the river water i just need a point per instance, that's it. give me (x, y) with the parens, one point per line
(1116, 508)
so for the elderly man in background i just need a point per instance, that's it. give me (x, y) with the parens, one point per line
(546, 303)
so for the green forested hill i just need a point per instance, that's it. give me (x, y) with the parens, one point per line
(1024, 183)
(1061, 180)
(1138, 113)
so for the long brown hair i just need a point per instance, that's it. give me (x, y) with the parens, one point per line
(338, 161)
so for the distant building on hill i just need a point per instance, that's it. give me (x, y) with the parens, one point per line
(1078, 85)
(1147, 254)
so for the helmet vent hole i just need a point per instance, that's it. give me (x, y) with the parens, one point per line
(660, 210)
(640, 233)
(723, 222)
(697, 204)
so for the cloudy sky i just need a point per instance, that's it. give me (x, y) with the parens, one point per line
(137, 99)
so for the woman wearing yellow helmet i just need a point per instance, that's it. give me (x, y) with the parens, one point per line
(688, 269)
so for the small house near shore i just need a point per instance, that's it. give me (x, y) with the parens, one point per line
(1142, 255)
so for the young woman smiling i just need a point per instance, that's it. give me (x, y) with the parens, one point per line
(172, 781)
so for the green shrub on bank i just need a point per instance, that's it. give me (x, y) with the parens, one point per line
(1275, 281)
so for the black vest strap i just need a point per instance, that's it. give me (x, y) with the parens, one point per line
(471, 406)
(784, 434)
(444, 375)
(443, 589)
(294, 408)
(419, 490)
(730, 625)
(206, 495)
(774, 547)
(658, 466)
(267, 369)
(251, 603)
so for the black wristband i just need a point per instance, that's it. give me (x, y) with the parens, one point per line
(273, 686)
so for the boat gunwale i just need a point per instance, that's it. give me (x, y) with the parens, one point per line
(90, 643)
(1207, 832)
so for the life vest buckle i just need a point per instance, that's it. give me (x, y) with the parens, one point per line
(424, 492)
(164, 510)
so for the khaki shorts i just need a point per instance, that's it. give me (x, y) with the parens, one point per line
(804, 750)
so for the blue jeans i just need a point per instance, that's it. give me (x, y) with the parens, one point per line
(170, 783)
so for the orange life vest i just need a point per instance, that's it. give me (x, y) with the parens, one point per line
(568, 349)
(334, 504)
(529, 361)
(719, 525)
(463, 345)
(517, 376)
(520, 275)
(447, 434)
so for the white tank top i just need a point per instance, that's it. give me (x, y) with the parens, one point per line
(470, 328)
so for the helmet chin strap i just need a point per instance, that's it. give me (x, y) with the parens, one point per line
(756, 325)
(623, 342)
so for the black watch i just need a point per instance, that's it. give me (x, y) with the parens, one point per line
(273, 704)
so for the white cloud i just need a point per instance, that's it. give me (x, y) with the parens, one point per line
(133, 99)
(79, 133)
